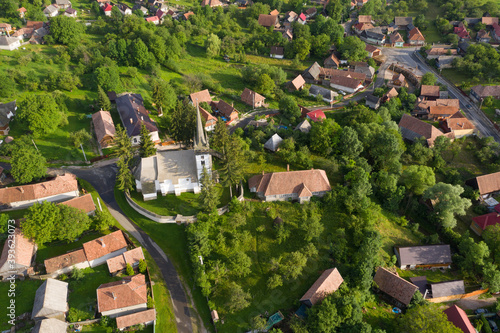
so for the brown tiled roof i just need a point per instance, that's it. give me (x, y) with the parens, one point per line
(225, 108)
(268, 20)
(332, 58)
(429, 91)
(412, 128)
(276, 183)
(84, 203)
(207, 115)
(298, 82)
(104, 245)
(24, 249)
(135, 318)
(248, 96)
(394, 286)
(442, 110)
(396, 37)
(326, 284)
(489, 20)
(484, 91)
(425, 104)
(120, 262)
(364, 18)
(200, 97)
(121, 294)
(34, 25)
(391, 93)
(311, 11)
(211, 3)
(65, 260)
(398, 77)
(345, 82)
(403, 20)
(187, 15)
(363, 26)
(103, 125)
(488, 183)
(482, 34)
(415, 34)
(274, 12)
(370, 48)
(58, 185)
(278, 50)
(338, 72)
(441, 51)
(458, 122)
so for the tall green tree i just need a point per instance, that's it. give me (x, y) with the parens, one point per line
(102, 99)
(353, 48)
(417, 178)
(183, 123)
(27, 164)
(311, 223)
(220, 137)
(292, 264)
(209, 198)
(41, 113)
(349, 145)
(40, 222)
(72, 223)
(66, 30)
(123, 150)
(213, 44)
(233, 163)
(124, 177)
(429, 79)
(123, 146)
(164, 95)
(425, 318)
(324, 136)
(447, 203)
(288, 106)
(146, 146)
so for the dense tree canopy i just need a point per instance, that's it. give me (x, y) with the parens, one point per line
(41, 113)
(66, 30)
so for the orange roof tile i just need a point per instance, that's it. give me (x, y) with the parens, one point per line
(326, 284)
(24, 249)
(104, 245)
(65, 260)
(130, 291)
(120, 262)
(135, 318)
(84, 203)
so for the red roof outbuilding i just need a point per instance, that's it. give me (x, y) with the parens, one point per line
(459, 318)
(316, 115)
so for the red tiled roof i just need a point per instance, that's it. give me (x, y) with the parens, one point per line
(103, 124)
(370, 48)
(488, 183)
(298, 82)
(34, 25)
(268, 20)
(457, 122)
(152, 19)
(65, 260)
(187, 15)
(23, 251)
(207, 116)
(415, 34)
(394, 286)
(274, 12)
(22, 10)
(459, 318)
(364, 18)
(326, 284)
(489, 20)
(396, 38)
(200, 97)
(429, 91)
(104, 245)
(211, 3)
(442, 110)
(302, 16)
(120, 262)
(226, 109)
(135, 318)
(84, 203)
(248, 96)
(121, 294)
(108, 7)
(486, 220)
(58, 185)
(316, 115)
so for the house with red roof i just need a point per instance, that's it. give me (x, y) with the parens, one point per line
(145, 318)
(123, 297)
(103, 248)
(415, 37)
(19, 263)
(480, 223)
(326, 284)
(302, 18)
(107, 9)
(316, 115)
(459, 318)
(153, 19)
(462, 33)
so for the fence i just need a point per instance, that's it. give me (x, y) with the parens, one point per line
(457, 297)
(174, 219)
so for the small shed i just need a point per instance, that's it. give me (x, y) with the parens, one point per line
(273, 143)
(215, 316)
(448, 288)
(304, 126)
(51, 300)
(50, 326)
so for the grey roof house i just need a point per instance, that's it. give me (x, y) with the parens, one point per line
(7, 112)
(327, 94)
(51, 300)
(133, 114)
(311, 74)
(51, 325)
(425, 256)
(273, 143)
(448, 288)
(304, 126)
(372, 101)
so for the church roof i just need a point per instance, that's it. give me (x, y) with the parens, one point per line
(200, 139)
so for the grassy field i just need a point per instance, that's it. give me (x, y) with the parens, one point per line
(185, 204)
(489, 111)
(24, 297)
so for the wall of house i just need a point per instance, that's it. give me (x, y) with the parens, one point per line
(462, 133)
(276, 56)
(184, 185)
(65, 270)
(102, 260)
(125, 311)
(346, 89)
(54, 198)
(136, 140)
(6, 270)
(11, 47)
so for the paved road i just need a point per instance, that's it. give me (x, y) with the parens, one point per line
(103, 180)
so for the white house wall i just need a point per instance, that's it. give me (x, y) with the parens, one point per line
(102, 260)
(69, 269)
(125, 311)
(54, 198)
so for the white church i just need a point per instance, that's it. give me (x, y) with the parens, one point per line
(175, 171)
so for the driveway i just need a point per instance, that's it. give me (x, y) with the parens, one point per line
(474, 302)
(103, 180)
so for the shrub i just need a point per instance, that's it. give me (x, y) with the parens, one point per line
(130, 270)
(150, 303)
(63, 277)
(75, 315)
(142, 266)
(486, 325)
(77, 274)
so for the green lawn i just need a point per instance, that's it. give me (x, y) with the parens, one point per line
(186, 204)
(433, 276)
(24, 297)
(489, 111)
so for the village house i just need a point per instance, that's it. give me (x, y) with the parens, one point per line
(443, 62)
(24, 256)
(488, 185)
(200, 97)
(483, 36)
(392, 93)
(288, 35)
(331, 61)
(268, 21)
(51, 10)
(422, 105)
(495, 32)
(373, 51)
(328, 283)
(437, 112)
(58, 189)
(429, 92)
(107, 9)
(252, 98)
(290, 185)
(277, 52)
(372, 101)
(226, 111)
(360, 27)
(398, 79)
(123, 297)
(124, 9)
(273, 143)
(346, 84)
(51, 325)
(447, 288)
(311, 74)
(70, 12)
(210, 120)
(101, 249)
(461, 32)
(5, 27)
(187, 15)
(211, 3)
(9, 43)
(146, 317)
(22, 11)
(143, 9)
(316, 115)
(84, 203)
(7, 112)
(424, 256)
(402, 23)
(51, 300)
(413, 129)
(489, 21)
(63, 4)
(302, 19)
(372, 37)
(415, 37)
(296, 84)
(480, 223)
(435, 52)
(175, 171)
(396, 39)
(104, 128)
(363, 68)
(133, 114)
(311, 12)
(480, 92)
(304, 126)
(458, 124)
(396, 290)
(326, 94)
(291, 16)
(459, 318)
(365, 19)
(65, 263)
(120, 262)
(153, 19)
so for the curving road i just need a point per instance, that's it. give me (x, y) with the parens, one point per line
(103, 180)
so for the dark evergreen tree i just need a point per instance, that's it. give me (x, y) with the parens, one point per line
(147, 146)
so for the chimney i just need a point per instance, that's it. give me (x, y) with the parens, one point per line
(113, 294)
(288, 167)
(22, 189)
(131, 120)
(102, 242)
(142, 117)
(262, 172)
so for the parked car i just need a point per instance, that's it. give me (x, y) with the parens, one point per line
(479, 311)
(493, 325)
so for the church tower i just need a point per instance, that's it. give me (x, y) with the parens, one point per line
(201, 147)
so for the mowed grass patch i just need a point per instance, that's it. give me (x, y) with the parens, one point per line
(24, 298)
(433, 275)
